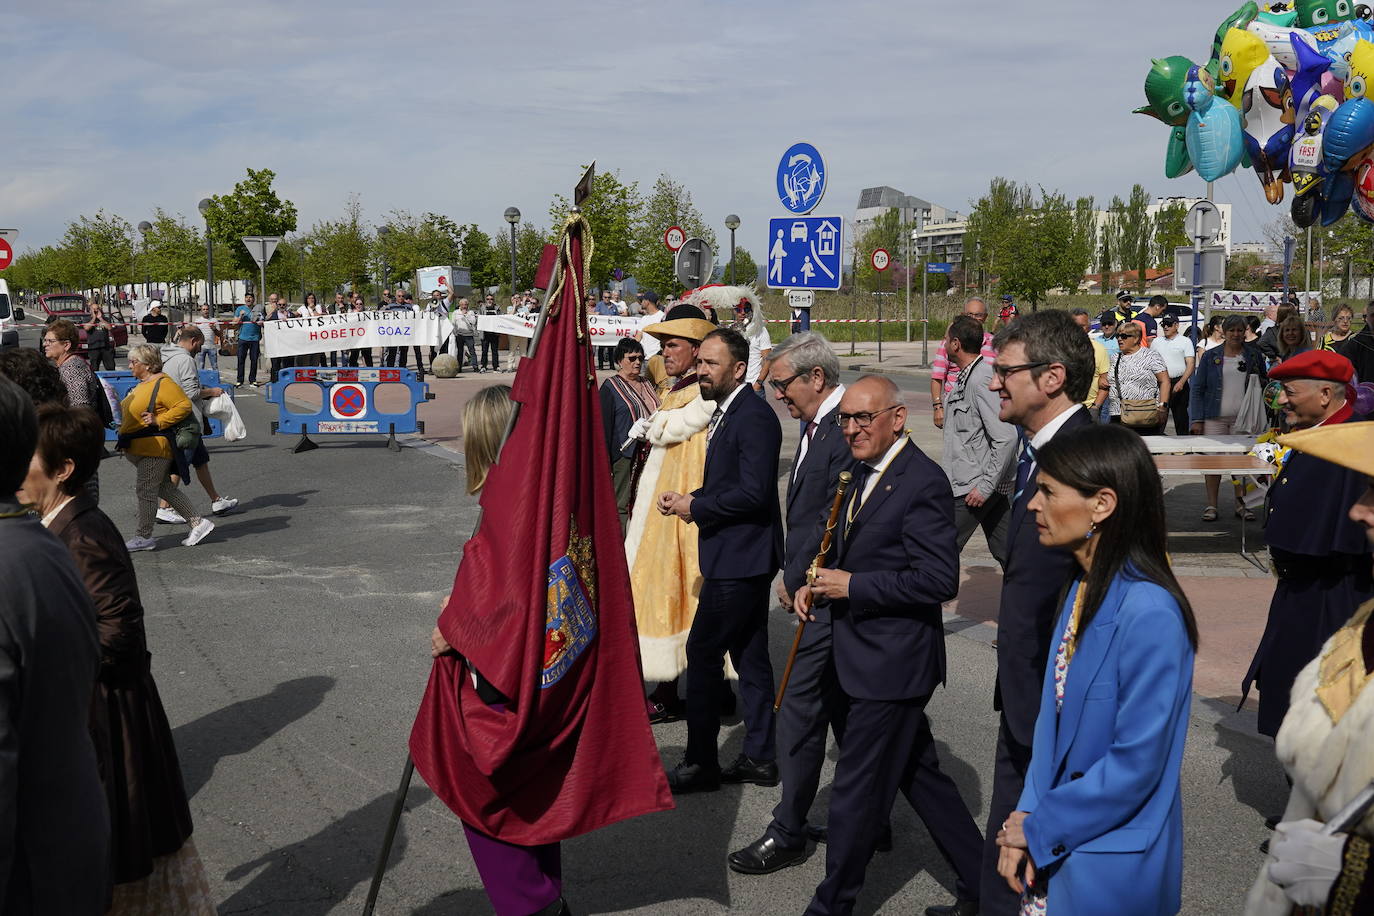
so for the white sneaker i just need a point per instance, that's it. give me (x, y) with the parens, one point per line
(223, 505)
(169, 516)
(137, 543)
(198, 533)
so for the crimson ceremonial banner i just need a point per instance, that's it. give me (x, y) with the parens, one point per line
(541, 606)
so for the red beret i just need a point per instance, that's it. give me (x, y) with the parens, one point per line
(1316, 364)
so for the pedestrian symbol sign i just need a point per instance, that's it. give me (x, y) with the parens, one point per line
(801, 178)
(805, 252)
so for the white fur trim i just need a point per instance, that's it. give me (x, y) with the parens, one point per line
(724, 298)
(668, 427)
(663, 657)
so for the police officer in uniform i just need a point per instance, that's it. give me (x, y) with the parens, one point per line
(1322, 558)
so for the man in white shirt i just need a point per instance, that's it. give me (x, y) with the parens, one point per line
(1179, 360)
(209, 328)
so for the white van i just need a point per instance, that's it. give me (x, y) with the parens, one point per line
(9, 314)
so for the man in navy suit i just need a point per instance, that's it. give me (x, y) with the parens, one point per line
(739, 548)
(895, 563)
(805, 375)
(1043, 372)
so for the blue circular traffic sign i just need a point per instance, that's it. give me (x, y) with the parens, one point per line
(801, 178)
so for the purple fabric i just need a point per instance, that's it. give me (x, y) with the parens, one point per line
(520, 880)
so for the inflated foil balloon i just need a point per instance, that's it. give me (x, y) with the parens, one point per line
(1305, 83)
(1241, 53)
(1349, 131)
(1164, 90)
(1214, 136)
(1305, 163)
(1241, 18)
(1364, 399)
(1272, 391)
(1268, 128)
(1280, 40)
(1323, 12)
(1357, 84)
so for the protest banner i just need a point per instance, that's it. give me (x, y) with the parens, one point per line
(1230, 300)
(352, 331)
(604, 330)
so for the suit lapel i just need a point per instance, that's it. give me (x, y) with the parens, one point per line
(1018, 509)
(881, 491)
(825, 426)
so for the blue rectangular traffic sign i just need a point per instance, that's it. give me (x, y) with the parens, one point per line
(939, 267)
(805, 252)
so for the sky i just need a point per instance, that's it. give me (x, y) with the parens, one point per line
(466, 109)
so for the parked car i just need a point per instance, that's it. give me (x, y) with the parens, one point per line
(72, 306)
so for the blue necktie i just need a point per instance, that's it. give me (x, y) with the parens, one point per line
(1025, 465)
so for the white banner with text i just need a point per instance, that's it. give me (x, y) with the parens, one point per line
(604, 330)
(352, 331)
(1230, 300)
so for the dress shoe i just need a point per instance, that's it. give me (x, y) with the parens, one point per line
(692, 777)
(957, 908)
(664, 712)
(819, 833)
(759, 772)
(765, 856)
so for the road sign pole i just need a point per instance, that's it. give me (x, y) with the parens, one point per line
(908, 286)
(925, 316)
(880, 326)
(1197, 285)
(854, 302)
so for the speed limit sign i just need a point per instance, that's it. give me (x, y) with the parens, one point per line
(881, 259)
(674, 238)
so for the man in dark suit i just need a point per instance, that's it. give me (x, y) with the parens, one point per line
(894, 564)
(739, 548)
(54, 821)
(805, 376)
(1043, 372)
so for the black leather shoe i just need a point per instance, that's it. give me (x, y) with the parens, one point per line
(692, 777)
(957, 908)
(759, 772)
(665, 712)
(819, 833)
(765, 856)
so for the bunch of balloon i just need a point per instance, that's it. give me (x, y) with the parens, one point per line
(1283, 93)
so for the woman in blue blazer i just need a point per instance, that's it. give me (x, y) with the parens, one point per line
(1100, 823)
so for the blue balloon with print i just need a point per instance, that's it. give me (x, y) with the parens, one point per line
(1214, 137)
(801, 178)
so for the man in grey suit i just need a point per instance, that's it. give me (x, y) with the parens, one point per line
(805, 376)
(54, 822)
(979, 447)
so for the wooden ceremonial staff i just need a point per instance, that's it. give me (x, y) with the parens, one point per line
(840, 488)
(406, 774)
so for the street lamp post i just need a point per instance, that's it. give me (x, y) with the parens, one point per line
(203, 206)
(143, 229)
(512, 216)
(382, 233)
(732, 223)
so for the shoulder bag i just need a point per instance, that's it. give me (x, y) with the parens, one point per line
(1137, 413)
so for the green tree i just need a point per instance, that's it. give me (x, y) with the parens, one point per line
(1245, 272)
(885, 232)
(1040, 252)
(172, 251)
(992, 222)
(479, 256)
(98, 251)
(337, 253)
(1137, 234)
(613, 210)
(1083, 248)
(668, 204)
(252, 209)
(1168, 233)
(529, 247)
(746, 271)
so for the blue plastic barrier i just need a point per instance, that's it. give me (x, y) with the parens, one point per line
(123, 382)
(347, 405)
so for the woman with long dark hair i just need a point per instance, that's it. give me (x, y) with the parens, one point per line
(1099, 826)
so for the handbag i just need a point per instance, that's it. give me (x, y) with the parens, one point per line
(1138, 413)
(1251, 418)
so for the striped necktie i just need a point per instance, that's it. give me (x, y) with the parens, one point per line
(1025, 466)
(711, 426)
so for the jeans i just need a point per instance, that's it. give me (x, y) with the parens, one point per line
(248, 351)
(209, 358)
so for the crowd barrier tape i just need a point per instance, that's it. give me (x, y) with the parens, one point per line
(347, 405)
(123, 381)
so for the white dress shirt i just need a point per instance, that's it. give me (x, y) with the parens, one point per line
(831, 401)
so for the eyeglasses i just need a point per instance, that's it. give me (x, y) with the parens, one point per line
(862, 420)
(1003, 371)
(50, 341)
(635, 357)
(780, 386)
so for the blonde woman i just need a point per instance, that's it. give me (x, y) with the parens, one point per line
(1340, 332)
(485, 417)
(146, 436)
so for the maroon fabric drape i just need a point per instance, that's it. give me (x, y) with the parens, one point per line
(541, 606)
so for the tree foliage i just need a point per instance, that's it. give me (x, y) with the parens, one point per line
(613, 211)
(746, 270)
(669, 204)
(1032, 242)
(1169, 233)
(529, 246)
(252, 209)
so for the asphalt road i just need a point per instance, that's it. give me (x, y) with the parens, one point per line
(291, 649)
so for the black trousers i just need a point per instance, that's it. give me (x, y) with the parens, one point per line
(732, 616)
(491, 342)
(1008, 779)
(1178, 407)
(811, 705)
(101, 358)
(888, 747)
